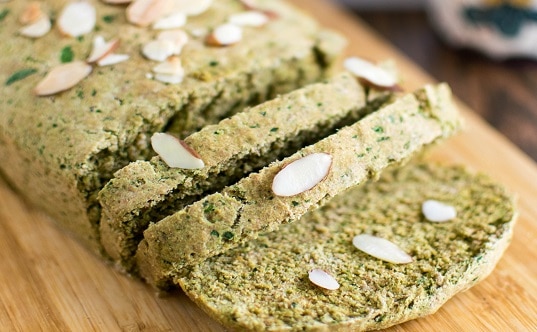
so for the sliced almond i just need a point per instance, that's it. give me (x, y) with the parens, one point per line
(381, 248)
(77, 18)
(436, 211)
(170, 79)
(224, 35)
(175, 153)
(112, 59)
(170, 71)
(250, 18)
(37, 29)
(145, 12)
(370, 72)
(199, 32)
(32, 12)
(179, 38)
(159, 50)
(302, 174)
(192, 7)
(62, 78)
(172, 66)
(101, 49)
(323, 279)
(172, 21)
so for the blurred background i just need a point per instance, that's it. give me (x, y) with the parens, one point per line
(497, 81)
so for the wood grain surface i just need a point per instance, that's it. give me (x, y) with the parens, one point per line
(50, 283)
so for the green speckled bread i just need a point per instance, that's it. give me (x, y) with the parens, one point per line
(238, 213)
(263, 285)
(59, 151)
(147, 191)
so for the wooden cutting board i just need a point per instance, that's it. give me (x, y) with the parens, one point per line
(50, 283)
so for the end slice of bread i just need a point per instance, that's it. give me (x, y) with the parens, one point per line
(263, 285)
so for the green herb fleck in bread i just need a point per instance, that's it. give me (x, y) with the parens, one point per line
(263, 285)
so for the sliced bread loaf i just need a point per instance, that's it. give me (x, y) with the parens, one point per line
(356, 153)
(60, 150)
(147, 191)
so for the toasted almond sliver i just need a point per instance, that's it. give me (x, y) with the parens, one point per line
(302, 174)
(31, 13)
(381, 248)
(175, 153)
(112, 59)
(101, 49)
(250, 18)
(170, 79)
(62, 78)
(145, 12)
(224, 35)
(323, 279)
(370, 72)
(436, 211)
(172, 21)
(77, 18)
(171, 71)
(191, 7)
(179, 38)
(172, 66)
(37, 29)
(159, 50)
(199, 32)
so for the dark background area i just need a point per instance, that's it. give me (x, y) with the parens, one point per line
(503, 93)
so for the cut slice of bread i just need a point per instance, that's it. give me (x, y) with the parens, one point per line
(147, 191)
(263, 284)
(359, 152)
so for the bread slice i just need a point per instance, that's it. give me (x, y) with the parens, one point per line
(147, 191)
(263, 285)
(59, 151)
(238, 213)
